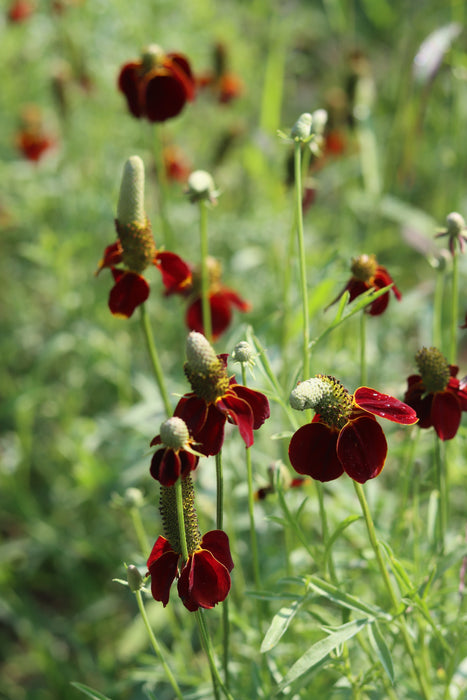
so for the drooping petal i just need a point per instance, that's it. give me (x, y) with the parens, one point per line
(446, 413)
(416, 398)
(166, 466)
(203, 582)
(130, 290)
(176, 274)
(193, 411)
(112, 256)
(384, 406)
(362, 448)
(240, 413)
(217, 542)
(258, 402)
(312, 451)
(205, 423)
(128, 83)
(234, 299)
(180, 66)
(164, 94)
(162, 565)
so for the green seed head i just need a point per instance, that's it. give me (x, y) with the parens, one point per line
(174, 433)
(204, 370)
(130, 210)
(433, 368)
(309, 394)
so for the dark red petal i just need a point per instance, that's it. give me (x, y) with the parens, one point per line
(414, 397)
(166, 466)
(176, 274)
(204, 581)
(234, 299)
(240, 413)
(130, 291)
(128, 83)
(194, 316)
(180, 63)
(205, 423)
(112, 256)
(379, 305)
(258, 402)
(188, 461)
(446, 413)
(312, 451)
(156, 441)
(162, 565)
(193, 411)
(362, 448)
(165, 96)
(217, 542)
(384, 406)
(356, 287)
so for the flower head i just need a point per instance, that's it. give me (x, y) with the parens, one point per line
(223, 83)
(135, 248)
(20, 10)
(344, 435)
(216, 398)
(204, 579)
(367, 274)
(455, 231)
(176, 458)
(158, 85)
(32, 139)
(221, 300)
(436, 394)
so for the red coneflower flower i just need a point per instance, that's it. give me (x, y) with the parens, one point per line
(223, 83)
(436, 394)
(135, 248)
(158, 86)
(177, 457)
(216, 399)
(367, 274)
(344, 435)
(32, 139)
(20, 10)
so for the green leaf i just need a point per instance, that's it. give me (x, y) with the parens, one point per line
(338, 531)
(379, 645)
(94, 694)
(338, 596)
(279, 625)
(319, 651)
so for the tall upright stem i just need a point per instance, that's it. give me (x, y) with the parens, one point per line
(454, 308)
(206, 309)
(302, 258)
(155, 362)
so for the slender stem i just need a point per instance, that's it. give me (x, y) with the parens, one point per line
(162, 186)
(226, 641)
(302, 259)
(181, 519)
(139, 530)
(392, 595)
(454, 308)
(155, 362)
(156, 647)
(206, 309)
(442, 490)
(325, 530)
(220, 492)
(438, 309)
(363, 378)
(206, 640)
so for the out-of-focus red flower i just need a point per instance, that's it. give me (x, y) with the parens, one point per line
(20, 10)
(344, 435)
(222, 300)
(32, 139)
(438, 397)
(176, 165)
(367, 274)
(223, 83)
(203, 581)
(176, 458)
(157, 86)
(216, 399)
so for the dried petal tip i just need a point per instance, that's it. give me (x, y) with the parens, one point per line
(243, 353)
(309, 394)
(200, 354)
(455, 224)
(130, 208)
(174, 433)
(134, 578)
(201, 187)
(301, 130)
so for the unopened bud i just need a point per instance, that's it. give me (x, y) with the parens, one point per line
(455, 224)
(243, 353)
(201, 187)
(301, 130)
(134, 578)
(174, 433)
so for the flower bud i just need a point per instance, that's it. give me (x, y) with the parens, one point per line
(174, 433)
(130, 208)
(455, 224)
(134, 578)
(133, 498)
(201, 187)
(301, 130)
(319, 119)
(309, 394)
(243, 353)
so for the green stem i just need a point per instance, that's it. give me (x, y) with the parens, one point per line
(162, 186)
(155, 362)
(454, 308)
(140, 531)
(443, 495)
(438, 309)
(363, 378)
(302, 259)
(325, 530)
(181, 519)
(220, 492)
(206, 309)
(156, 647)
(206, 641)
(389, 587)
